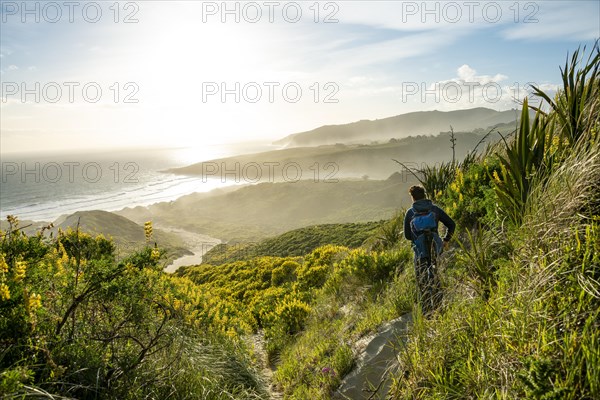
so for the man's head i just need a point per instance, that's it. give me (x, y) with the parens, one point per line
(417, 192)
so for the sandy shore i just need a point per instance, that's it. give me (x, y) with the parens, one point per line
(197, 243)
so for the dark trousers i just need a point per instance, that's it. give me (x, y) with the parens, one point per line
(428, 284)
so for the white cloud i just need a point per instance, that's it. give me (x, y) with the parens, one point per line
(468, 90)
(467, 76)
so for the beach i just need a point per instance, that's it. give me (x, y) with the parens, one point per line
(197, 243)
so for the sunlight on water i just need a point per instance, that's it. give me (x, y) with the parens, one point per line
(43, 187)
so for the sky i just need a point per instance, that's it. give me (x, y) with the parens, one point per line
(100, 75)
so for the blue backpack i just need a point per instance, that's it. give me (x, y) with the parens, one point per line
(424, 225)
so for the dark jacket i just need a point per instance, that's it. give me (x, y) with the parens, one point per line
(423, 206)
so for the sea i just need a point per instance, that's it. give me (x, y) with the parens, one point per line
(45, 186)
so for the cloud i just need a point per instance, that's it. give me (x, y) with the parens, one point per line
(549, 20)
(468, 89)
(466, 74)
(390, 51)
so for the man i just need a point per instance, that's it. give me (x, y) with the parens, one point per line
(421, 228)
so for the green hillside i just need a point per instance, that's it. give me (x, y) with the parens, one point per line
(255, 212)
(295, 243)
(520, 309)
(127, 236)
(517, 316)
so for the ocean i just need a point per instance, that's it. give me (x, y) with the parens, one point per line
(42, 187)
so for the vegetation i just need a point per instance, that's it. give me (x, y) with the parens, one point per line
(519, 318)
(268, 293)
(255, 212)
(295, 243)
(75, 323)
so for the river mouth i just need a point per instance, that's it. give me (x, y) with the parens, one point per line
(197, 243)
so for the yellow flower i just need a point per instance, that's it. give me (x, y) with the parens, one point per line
(460, 177)
(13, 221)
(496, 177)
(33, 303)
(155, 254)
(3, 264)
(460, 197)
(4, 292)
(454, 187)
(148, 230)
(555, 143)
(64, 257)
(177, 304)
(129, 268)
(20, 270)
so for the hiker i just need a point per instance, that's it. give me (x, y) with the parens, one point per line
(421, 228)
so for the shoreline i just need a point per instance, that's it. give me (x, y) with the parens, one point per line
(197, 243)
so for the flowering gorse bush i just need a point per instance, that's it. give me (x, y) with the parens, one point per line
(75, 322)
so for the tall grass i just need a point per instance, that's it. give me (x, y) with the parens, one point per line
(436, 178)
(577, 105)
(535, 334)
(533, 331)
(538, 145)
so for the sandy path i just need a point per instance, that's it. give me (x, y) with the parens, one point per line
(197, 243)
(266, 371)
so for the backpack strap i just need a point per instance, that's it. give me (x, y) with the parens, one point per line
(431, 209)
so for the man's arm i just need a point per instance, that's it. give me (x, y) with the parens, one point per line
(407, 230)
(448, 222)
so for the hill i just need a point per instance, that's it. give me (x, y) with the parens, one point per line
(510, 311)
(327, 162)
(297, 242)
(258, 211)
(400, 126)
(127, 235)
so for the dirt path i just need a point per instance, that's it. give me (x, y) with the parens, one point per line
(372, 376)
(266, 372)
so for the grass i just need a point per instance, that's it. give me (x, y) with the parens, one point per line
(521, 300)
(347, 308)
(522, 305)
(519, 318)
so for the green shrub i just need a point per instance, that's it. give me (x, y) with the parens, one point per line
(374, 266)
(76, 323)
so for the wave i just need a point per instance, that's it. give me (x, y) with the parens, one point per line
(166, 189)
(37, 200)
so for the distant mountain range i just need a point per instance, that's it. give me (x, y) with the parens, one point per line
(400, 126)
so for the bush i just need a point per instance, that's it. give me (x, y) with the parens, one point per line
(373, 266)
(76, 323)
